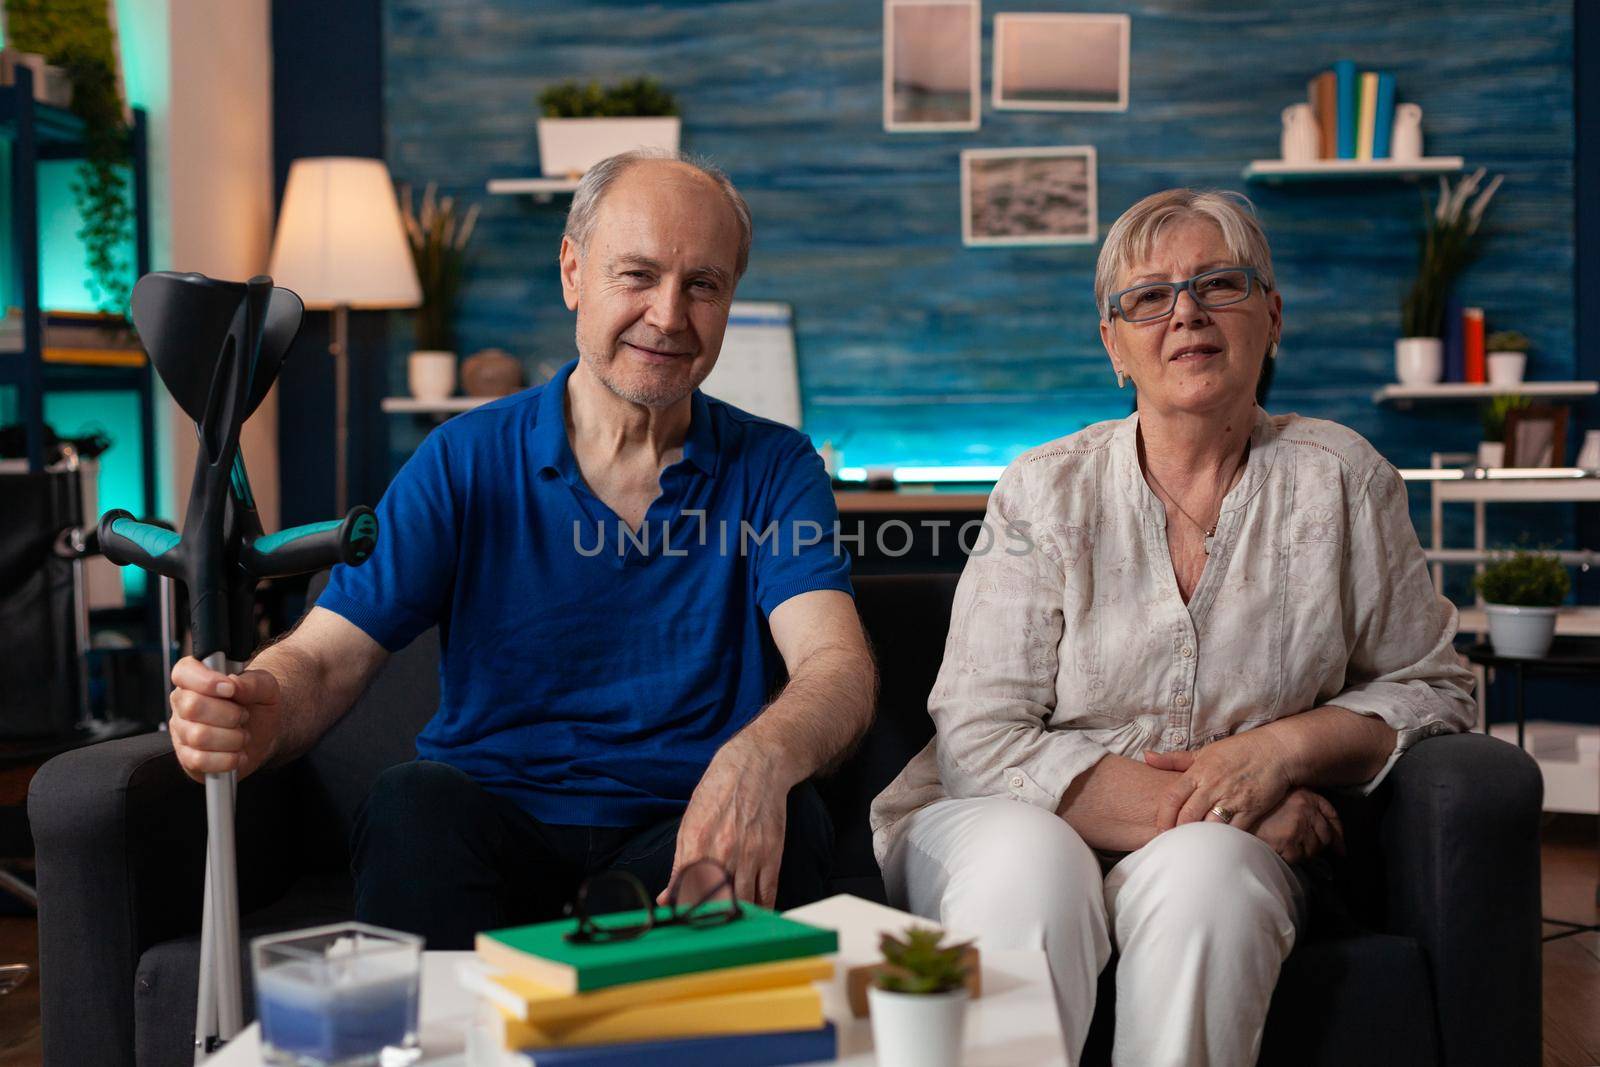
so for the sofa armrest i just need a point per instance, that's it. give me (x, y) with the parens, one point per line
(1460, 837)
(119, 834)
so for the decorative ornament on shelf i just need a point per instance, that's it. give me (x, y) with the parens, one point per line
(918, 1002)
(1447, 247)
(583, 124)
(1507, 358)
(490, 373)
(438, 235)
(1521, 593)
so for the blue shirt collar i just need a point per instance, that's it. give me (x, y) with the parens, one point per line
(552, 451)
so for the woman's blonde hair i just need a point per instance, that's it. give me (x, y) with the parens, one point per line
(1131, 237)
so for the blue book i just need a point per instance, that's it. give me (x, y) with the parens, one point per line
(730, 1050)
(1455, 342)
(1347, 87)
(1383, 117)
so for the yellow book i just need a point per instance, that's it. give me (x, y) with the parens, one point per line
(96, 357)
(760, 1011)
(545, 1005)
(1367, 115)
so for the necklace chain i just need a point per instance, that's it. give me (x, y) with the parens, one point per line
(1210, 531)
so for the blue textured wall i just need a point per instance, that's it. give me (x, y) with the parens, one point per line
(925, 351)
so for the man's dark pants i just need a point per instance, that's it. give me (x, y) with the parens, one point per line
(437, 854)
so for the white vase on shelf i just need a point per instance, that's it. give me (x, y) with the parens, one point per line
(431, 374)
(1301, 141)
(1506, 368)
(1405, 136)
(1418, 360)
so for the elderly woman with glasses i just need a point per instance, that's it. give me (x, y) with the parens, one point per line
(1218, 613)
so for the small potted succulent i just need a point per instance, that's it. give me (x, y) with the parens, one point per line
(1492, 449)
(1508, 357)
(438, 234)
(582, 124)
(919, 1002)
(1521, 593)
(1447, 246)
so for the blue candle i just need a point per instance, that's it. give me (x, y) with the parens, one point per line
(335, 1012)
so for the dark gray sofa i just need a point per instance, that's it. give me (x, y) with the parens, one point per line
(1427, 952)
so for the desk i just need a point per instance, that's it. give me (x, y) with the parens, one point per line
(1014, 1022)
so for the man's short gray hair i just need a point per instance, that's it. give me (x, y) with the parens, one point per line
(597, 180)
(1132, 236)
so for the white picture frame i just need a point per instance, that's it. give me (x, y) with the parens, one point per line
(1029, 196)
(1061, 62)
(932, 64)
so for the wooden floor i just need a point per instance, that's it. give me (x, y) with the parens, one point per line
(1571, 965)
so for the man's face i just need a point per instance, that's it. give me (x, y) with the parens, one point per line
(653, 289)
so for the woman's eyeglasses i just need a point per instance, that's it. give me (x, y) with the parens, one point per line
(1156, 300)
(702, 897)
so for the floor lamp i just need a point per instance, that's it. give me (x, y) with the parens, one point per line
(341, 247)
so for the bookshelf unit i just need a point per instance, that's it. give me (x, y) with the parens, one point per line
(40, 133)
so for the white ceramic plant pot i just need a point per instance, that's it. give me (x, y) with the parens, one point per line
(568, 147)
(431, 374)
(1506, 368)
(1491, 454)
(917, 1029)
(1418, 360)
(1521, 632)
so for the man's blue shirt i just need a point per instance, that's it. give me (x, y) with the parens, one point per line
(589, 672)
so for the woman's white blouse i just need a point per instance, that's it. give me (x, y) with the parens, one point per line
(1069, 640)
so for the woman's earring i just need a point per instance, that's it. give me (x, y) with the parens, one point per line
(1272, 351)
(1122, 380)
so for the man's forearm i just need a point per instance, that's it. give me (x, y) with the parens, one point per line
(817, 718)
(1113, 804)
(313, 693)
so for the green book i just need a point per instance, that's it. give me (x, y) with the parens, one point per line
(542, 954)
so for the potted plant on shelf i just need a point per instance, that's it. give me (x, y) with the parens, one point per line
(1447, 248)
(1508, 357)
(438, 236)
(919, 1002)
(1492, 449)
(1520, 595)
(583, 124)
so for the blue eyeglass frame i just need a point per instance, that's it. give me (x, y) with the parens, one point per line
(1112, 302)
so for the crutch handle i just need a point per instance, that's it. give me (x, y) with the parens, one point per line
(124, 540)
(314, 546)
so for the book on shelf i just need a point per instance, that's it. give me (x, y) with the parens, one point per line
(529, 1001)
(542, 954)
(1383, 116)
(1344, 72)
(1366, 114)
(1455, 353)
(1323, 92)
(1472, 344)
(776, 1049)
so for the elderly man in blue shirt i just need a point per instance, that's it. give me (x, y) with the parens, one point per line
(618, 566)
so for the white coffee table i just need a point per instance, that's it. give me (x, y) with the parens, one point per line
(1014, 1022)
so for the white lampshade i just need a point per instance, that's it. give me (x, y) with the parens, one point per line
(340, 238)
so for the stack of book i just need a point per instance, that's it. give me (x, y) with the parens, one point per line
(1464, 357)
(90, 338)
(741, 994)
(1354, 111)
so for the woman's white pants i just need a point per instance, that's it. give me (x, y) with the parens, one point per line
(1202, 918)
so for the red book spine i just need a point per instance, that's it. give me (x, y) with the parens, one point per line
(1472, 338)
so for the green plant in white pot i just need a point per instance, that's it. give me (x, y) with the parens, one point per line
(1508, 357)
(438, 234)
(582, 124)
(919, 1003)
(1448, 230)
(1521, 593)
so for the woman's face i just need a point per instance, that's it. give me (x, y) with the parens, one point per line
(1198, 359)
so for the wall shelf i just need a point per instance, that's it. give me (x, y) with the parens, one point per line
(541, 189)
(1406, 395)
(1283, 172)
(452, 405)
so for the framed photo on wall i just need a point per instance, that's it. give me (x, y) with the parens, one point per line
(1029, 196)
(1054, 62)
(932, 66)
(1536, 436)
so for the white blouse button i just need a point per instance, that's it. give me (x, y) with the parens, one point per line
(1016, 781)
(1187, 651)
(1182, 701)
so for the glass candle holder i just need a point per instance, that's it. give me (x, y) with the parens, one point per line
(338, 996)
